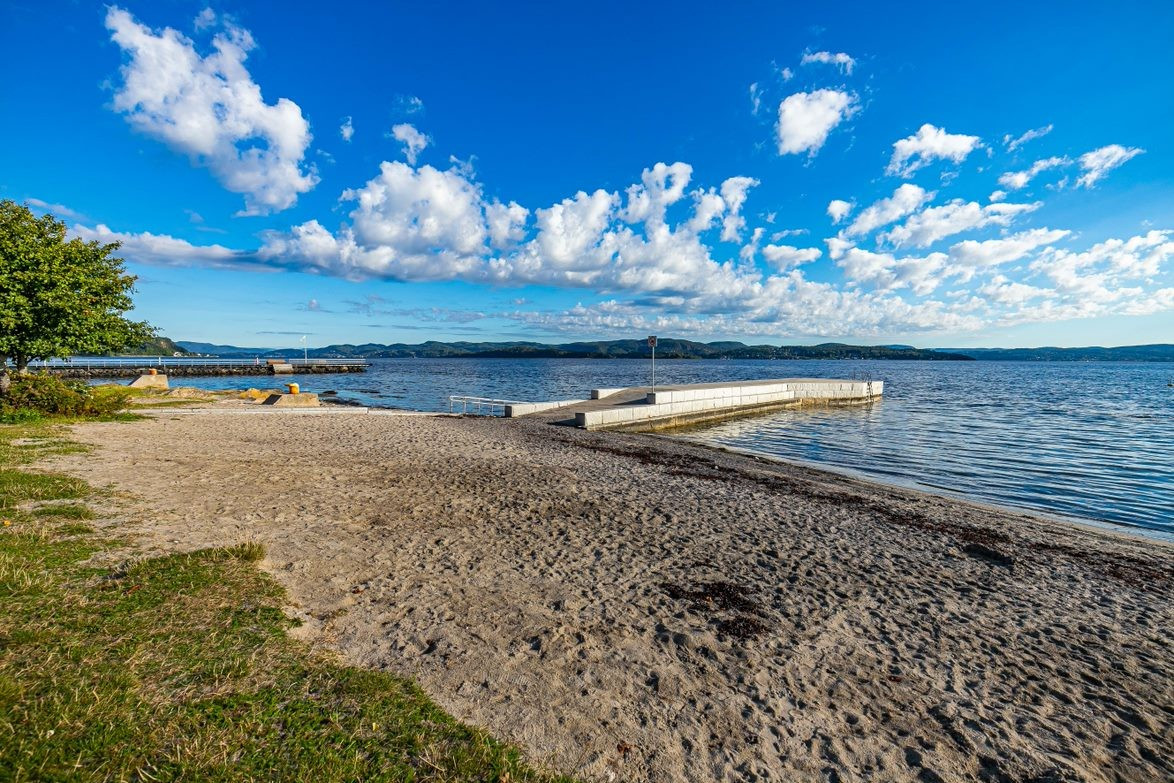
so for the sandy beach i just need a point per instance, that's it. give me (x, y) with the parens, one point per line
(634, 608)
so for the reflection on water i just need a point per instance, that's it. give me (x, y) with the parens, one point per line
(1091, 440)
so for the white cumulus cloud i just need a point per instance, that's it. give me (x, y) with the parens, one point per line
(930, 143)
(806, 119)
(786, 256)
(734, 191)
(210, 109)
(838, 209)
(413, 140)
(906, 200)
(347, 129)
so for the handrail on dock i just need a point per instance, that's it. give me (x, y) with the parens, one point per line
(478, 403)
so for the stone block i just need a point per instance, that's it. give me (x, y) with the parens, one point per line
(148, 381)
(302, 400)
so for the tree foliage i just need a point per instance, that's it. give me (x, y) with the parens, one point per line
(59, 297)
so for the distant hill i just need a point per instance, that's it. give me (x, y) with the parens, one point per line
(157, 346)
(1125, 353)
(667, 348)
(220, 350)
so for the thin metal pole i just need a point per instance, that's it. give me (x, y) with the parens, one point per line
(654, 368)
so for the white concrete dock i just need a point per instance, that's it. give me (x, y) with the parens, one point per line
(640, 408)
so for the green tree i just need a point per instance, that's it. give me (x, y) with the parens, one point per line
(59, 297)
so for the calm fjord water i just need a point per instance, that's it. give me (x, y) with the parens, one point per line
(1087, 440)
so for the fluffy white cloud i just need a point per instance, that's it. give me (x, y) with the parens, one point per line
(210, 109)
(1017, 180)
(905, 200)
(884, 272)
(1135, 258)
(1099, 162)
(927, 145)
(1015, 142)
(934, 223)
(969, 256)
(1003, 291)
(661, 186)
(413, 140)
(734, 192)
(786, 256)
(998, 195)
(408, 224)
(205, 19)
(838, 209)
(570, 238)
(347, 129)
(750, 249)
(164, 250)
(506, 223)
(806, 119)
(839, 59)
(755, 98)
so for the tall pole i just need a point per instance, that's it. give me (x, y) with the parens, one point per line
(652, 345)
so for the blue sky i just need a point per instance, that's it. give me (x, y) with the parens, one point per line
(941, 176)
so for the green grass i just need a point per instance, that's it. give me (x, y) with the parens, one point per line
(65, 511)
(180, 668)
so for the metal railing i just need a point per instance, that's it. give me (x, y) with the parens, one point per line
(479, 404)
(102, 362)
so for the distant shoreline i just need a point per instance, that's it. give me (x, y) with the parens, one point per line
(672, 348)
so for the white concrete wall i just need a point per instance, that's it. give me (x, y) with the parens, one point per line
(599, 394)
(521, 409)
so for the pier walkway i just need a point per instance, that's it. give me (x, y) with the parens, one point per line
(192, 366)
(640, 408)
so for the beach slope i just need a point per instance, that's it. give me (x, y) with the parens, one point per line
(634, 608)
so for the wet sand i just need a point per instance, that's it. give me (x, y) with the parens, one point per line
(635, 608)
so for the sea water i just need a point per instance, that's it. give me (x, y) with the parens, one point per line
(1090, 440)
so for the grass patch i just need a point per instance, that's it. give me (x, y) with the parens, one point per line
(64, 511)
(19, 486)
(179, 667)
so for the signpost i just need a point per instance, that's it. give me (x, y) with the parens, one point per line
(652, 345)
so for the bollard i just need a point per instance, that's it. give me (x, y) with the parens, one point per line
(293, 388)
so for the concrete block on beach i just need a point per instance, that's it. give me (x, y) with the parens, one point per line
(301, 400)
(150, 381)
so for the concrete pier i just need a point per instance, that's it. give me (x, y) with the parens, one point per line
(194, 367)
(673, 406)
